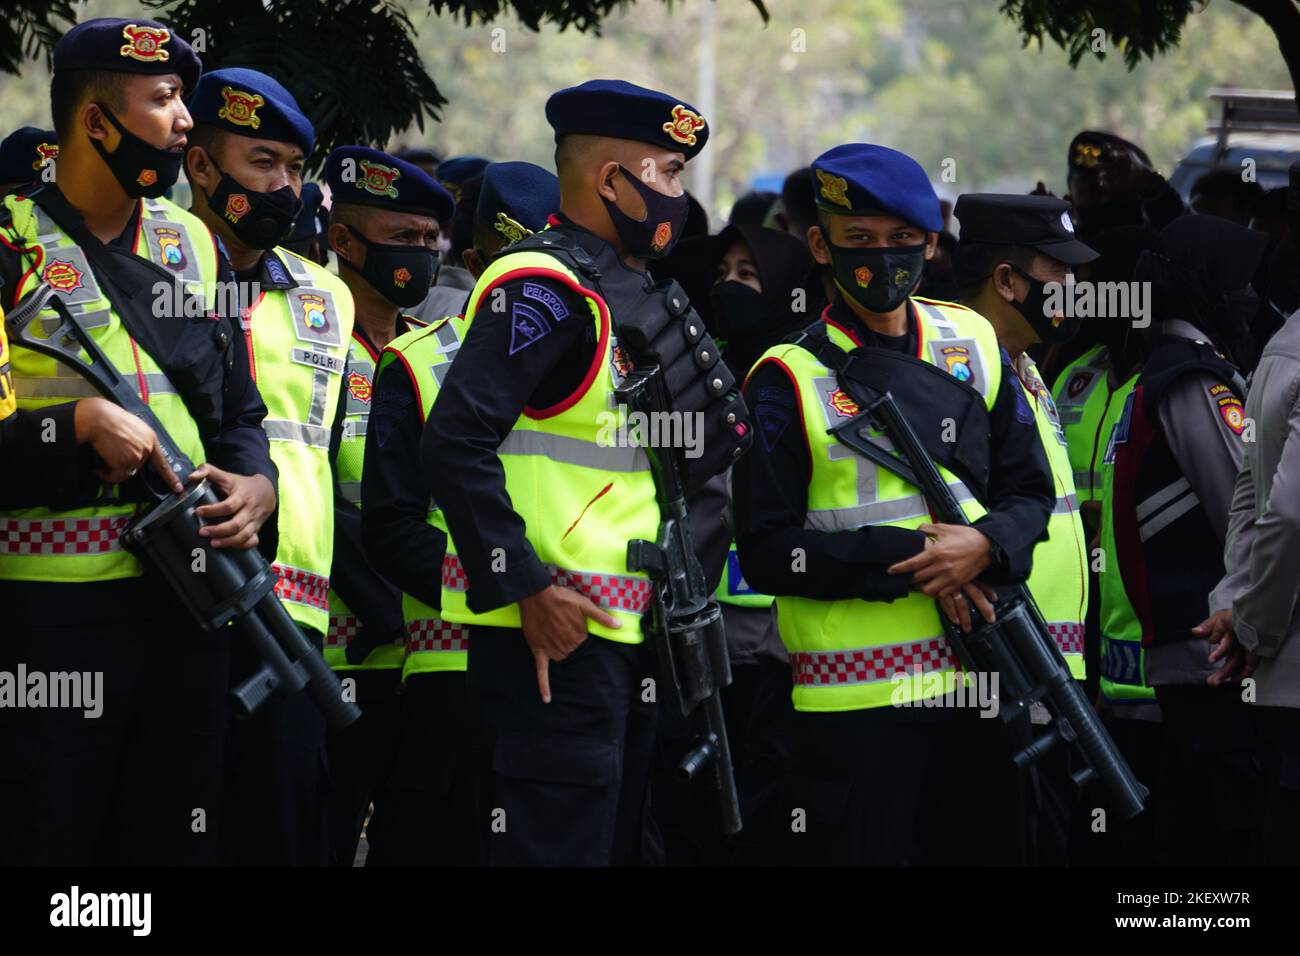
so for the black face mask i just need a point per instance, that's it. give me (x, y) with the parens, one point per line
(401, 274)
(258, 220)
(738, 311)
(1034, 310)
(142, 169)
(654, 236)
(878, 279)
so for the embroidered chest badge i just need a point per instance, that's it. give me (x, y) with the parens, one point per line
(62, 276)
(844, 406)
(359, 387)
(956, 359)
(170, 248)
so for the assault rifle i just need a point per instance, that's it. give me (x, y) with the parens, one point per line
(685, 622)
(233, 585)
(1018, 647)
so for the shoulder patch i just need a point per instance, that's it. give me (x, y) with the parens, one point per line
(546, 297)
(527, 325)
(1229, 406)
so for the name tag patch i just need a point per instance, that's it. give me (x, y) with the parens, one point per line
(321, 360)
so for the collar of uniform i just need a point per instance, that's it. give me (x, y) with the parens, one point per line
(125, 239)
(608, 261)
(840, 315)
(274, 274)
(403, 324)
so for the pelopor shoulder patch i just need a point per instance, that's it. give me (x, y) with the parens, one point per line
(1230, 408)
(553, 303)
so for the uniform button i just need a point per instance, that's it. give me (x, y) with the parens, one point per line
(717, 383)
(691, 331)
(676, 303)
(704, 356)
(731, 418)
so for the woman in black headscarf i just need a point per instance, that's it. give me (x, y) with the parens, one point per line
(765, 287)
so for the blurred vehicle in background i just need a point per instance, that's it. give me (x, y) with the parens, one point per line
(1262, 125)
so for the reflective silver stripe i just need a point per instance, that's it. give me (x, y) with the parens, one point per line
(281, 429)
(74, 386)
(351, 491)
(859, 516)
(297, 268)
(355, 426)
(1066, 505)
(878, 512)
(575, 451)
(1168, 516)
(867, 665)
(1165, 494)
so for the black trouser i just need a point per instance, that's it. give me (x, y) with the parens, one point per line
(891, 786)
(362, 759)
(1214, 774)
(433, 817)
(759, 713)
(565, 783)
(1278, 730)
(139, 784)
(278, 779)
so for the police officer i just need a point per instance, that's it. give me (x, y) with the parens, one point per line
(541, 497)
(141, 782)
(384, 231)
(405, 537)
(24, 154)
(245, 162)
(1011, 248)
(1015, 256)
(1177, 449)
(848, 549)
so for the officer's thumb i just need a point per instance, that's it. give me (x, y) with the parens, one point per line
(593, 611)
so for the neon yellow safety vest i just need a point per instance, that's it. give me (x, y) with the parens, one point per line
(37, 544)
(845, 654)
(1059, 579)
(8, 401)
(297, 341)
(581, 489)
(1082, 395)
(358, 387)
(432, 644)
(1122, 656)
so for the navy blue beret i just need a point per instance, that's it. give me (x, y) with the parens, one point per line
(455, 172)
(619, 109)
(516, 198)
(127, 46)
(864, 179)
(368, 177)
(24, 152)
(249, 103)
(307, 224)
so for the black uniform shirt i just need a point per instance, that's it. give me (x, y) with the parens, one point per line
(769, 488)
(521, 351)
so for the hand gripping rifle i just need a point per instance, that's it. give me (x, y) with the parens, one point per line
(233, 585)
(1018, 647)
(686, 623)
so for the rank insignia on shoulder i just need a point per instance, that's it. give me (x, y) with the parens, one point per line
(957, 360)
(1230, 408)
(145, 43)
(527, 325)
